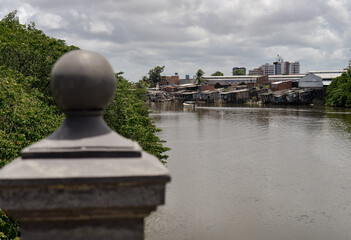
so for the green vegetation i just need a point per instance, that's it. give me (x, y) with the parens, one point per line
(25, 49)
(228, 89)
(9, 229)
(141, 90)
(217, 73)
(238, 72)
(132, 120)
(24, 117)
(154, 76)
(28, 112)
(339, 91)
(199, 80)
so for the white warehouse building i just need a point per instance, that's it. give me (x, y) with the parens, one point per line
(318, 79)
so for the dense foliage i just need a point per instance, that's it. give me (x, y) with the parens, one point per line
(28, 112)
(132, 120)
(29, 51)
(9, 229)
(24, 117)
(155, 75)
(339, 91)
(217, 73)
(238, 72)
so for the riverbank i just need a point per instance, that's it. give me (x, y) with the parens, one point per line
(294, 96)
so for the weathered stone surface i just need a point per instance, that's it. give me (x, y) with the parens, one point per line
(31, 172)
(119, 229)
(82, 80)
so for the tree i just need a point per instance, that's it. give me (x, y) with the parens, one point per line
(238, 72)
(155, 75)
(199, 80)
(339, 91)
(140, 90)
(25, 49)
(28, 112)
(24, 118)
(218, 73)
(129, 116)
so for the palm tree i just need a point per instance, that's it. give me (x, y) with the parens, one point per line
(199, 80)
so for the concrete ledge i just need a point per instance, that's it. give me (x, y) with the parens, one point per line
(119, 229)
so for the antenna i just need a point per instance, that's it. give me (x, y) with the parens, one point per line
(280, 59)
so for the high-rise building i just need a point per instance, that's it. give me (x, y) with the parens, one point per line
(278, 65)
(294, 67)
(283, 68)
(269, 69)
(256, 71)
(277, 68)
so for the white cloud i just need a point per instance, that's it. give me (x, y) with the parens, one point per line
(50, 21)
(339, 53)
(99, 26)
(26, 12)
(137, 35)
(74, 13)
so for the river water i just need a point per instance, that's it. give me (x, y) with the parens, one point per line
(252, 173)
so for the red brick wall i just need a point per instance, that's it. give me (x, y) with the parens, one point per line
(169, 80)
(174, 80)
(262, 80)
(282, 86)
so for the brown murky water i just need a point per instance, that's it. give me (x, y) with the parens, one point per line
(255, 173)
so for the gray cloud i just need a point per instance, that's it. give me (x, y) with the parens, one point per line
(184, 35)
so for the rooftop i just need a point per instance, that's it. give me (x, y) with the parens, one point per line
(236, 77)
(328, 74)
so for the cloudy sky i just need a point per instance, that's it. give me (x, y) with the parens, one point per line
(185, 35)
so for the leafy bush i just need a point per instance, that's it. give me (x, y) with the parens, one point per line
(24, 117)
(339, 91)
(29, 51)
(28, 112)
(27, 56)
(129, 116)
(9, 228)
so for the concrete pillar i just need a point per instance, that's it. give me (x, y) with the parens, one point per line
(84, 181)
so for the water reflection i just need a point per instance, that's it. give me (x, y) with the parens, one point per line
(255, 173)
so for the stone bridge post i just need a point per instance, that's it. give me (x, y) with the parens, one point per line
(84, 181)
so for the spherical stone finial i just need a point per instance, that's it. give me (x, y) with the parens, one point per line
(82, 80)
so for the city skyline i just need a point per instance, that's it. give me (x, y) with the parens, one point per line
(185, 35)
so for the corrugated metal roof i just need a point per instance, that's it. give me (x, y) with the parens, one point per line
(235, 91)
(328, 71)
(231, 77)
(328, 75)
(187, 85)
(276, 83)
(295, 77)
(287, 76)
